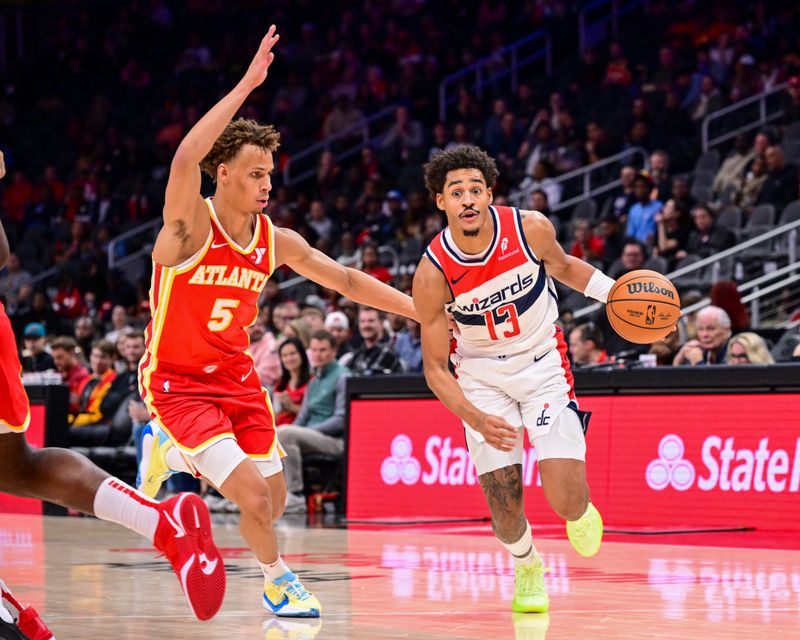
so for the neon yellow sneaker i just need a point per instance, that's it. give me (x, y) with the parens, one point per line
(586, 533)
(288, 598)
(153, 469)
(530, 626)
(530, 595)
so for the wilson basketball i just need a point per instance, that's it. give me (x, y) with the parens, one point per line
(643, 306)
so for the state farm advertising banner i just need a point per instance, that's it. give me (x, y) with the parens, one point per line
(667, 460)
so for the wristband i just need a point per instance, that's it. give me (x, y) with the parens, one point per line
(598, 286)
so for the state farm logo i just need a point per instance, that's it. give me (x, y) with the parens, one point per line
(670, 468)
(401, 466)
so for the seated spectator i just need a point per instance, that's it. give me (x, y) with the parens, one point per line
(659, 174)
(673, 231)
(95, 387)
(706, 239)
(642, 215)
(587, 246)
(752, 182)
(541, 178)
(34, 356)
(666, 348)
(586, 345)
(291, 386)
(85, 335)
(540, 203)
(731, 171)
(780, 187)
(319, 425)
(725, 295)
(613, 240)
(680, 194)
(124, 388)
(632, 258)
(314, 318)
(15, 286)
(408, 345)
(283, 314)
(375, 355)
(65, 356)
(623, 197)
(748, 348)
(297, 329)
(338, 325)
(119, 323)
(371, 266)
(265, 359)
(711, 345)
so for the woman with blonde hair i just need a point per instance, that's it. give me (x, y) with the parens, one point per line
(748, 348)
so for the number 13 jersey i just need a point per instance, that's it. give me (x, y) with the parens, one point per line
(503, 300)
(201, 309)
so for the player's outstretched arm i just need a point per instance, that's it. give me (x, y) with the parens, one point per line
(186, 221)
(5, 250)
(430, 295)
(294, 251)
(571, 271)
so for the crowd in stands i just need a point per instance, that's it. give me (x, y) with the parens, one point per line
(89, 154)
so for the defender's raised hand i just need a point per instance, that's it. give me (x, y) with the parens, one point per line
(257, 71)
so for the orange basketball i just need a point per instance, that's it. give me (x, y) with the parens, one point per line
(643, 306)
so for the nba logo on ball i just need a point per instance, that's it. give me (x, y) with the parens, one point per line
(650, 318)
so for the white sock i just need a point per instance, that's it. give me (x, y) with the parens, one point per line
(116, 502)
(175, 460)
(274, 570)
(523, 550)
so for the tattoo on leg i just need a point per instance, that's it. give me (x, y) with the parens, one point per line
(503, 490)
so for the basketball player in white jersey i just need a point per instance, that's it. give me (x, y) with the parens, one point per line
(491, 268)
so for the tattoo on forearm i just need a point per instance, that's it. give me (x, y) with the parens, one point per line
(503, 490)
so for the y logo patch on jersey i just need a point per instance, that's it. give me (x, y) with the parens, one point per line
(260, 251)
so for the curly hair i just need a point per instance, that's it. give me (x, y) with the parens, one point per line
(237, 134)
(466, 156)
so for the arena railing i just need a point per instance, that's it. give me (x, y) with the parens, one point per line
(506, 62)
(743, 116)
(344, 144)
(593, 30)
(789, 232)
(637, 156)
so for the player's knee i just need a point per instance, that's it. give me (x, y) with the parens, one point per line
(257, 504)
(571, 507)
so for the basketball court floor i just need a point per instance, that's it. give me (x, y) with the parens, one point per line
(94, 580)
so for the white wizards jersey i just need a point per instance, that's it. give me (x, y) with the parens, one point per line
(503, 301)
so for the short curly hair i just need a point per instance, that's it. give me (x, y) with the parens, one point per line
(466, 156)
(237, 134)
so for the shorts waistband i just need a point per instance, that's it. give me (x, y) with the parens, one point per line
(204, 369)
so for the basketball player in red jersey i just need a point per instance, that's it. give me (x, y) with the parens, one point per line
(179, 527)
(211, 261)
(490, 268)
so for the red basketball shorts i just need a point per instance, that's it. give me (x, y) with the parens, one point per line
(15, 410)
(200, 406)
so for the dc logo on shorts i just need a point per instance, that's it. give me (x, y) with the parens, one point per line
(670, 468)
(401, 466)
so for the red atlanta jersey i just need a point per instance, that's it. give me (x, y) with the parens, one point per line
(201, 309)
(503, 300)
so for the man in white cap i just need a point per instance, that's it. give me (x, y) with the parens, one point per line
(337, 324)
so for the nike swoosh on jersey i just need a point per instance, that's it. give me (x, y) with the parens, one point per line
(535, 359)
(218, 246)
(457, 280)
(247, 375)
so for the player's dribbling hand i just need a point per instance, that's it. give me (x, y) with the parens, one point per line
(257, 71)
(498, 433)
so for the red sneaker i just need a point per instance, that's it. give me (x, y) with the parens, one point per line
(27, 620)
(184, 536)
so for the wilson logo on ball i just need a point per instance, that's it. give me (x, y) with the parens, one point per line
(649, 287)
